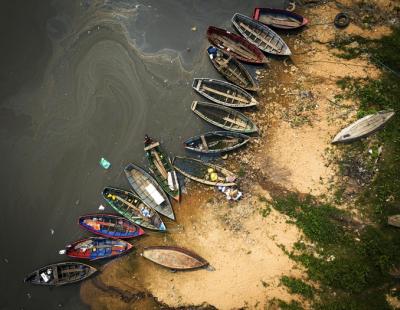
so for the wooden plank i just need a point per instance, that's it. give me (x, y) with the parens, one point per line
(258, 35)
(203, 140)
(292, 22)
(234, 121)
(151, 146)
(158, 163)
(239, 48)
(225, 94)
(239, 77)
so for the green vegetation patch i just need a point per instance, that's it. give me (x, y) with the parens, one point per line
(297, 286)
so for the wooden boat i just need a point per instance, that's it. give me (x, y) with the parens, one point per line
(174, 257)
(216, 142)
(110, 226)
(60, 274)
(394, 220)
(279, 18)
(363, 127)
(235, 45)
(260, 35)
(224, 93)
(132, 207)
(203, 172)
(148, 190)
(231, 69)
(161, 167)
(224, 117)
(94, 248)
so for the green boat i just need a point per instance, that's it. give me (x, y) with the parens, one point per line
(161, 167)
(130, 206)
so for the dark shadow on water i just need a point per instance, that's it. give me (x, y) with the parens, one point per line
(25, 46)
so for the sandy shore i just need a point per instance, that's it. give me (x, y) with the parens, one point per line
(298, 120)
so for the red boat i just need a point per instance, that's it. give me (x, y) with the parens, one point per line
(279, 18)
(110, 226)
(235, 45)
(97, 247)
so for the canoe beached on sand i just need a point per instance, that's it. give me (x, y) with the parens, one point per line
(161, 167)
(60, 274)
(223, 117)
(132, 207)
(279, 18)
(110, 226)
(174, 257)
(231, 69)
(203, 172)
(224, 93)
(363, 127)
(235, 45)
(148, 190)
(260, 35)
(216, 142)
(94, 248)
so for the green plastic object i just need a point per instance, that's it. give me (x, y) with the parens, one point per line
(105, 163)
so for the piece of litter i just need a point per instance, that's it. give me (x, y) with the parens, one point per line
(52, 231)
(101, 207)
(5, 260)
(105, 163)
(29, 295)
(61, 252)
(193, 28)
(77, 202)
(225, 156)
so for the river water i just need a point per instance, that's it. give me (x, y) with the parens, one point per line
(81, 80)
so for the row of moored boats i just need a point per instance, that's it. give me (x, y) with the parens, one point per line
(144, 205)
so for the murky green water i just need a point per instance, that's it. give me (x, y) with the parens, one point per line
(81, 80)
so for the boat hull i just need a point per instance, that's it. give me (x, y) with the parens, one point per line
(260, 35)
(216, 142)
(110, 226)
(148, 190)
(235, 45)
(224, 117)
(174, 257)
(95, 248)
(224, 93)
(278, 18)
(60, 274)
(231, 69)
(162, 169)
(201, 172)
(363, 127)
(132, 208)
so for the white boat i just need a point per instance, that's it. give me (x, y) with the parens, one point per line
(363, 127)
(260, 35)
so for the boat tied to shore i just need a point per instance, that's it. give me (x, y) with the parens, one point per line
(223, 117)
(60, 274)
(216, 142)
(175, 258)
(95, 248)
(231, 69)
(224, 93)
(278, 18)
(148, 190)
(260, 35)
(235, 45)
(110, 226)
(205, 173)
(133, 208)
(161, 167)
